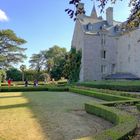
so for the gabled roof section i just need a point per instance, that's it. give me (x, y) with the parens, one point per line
(94, 13)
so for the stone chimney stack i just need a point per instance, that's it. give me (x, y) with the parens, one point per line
(109, 15)
(80, 9)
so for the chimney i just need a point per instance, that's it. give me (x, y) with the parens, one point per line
(80, 9)
(109, 15)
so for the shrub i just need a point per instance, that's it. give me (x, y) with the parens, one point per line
(138, 106)
(125, 124)
(39, 88)
(99, 95)
(112, 86)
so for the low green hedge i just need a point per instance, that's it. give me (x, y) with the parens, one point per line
(39, 88)
(138, 106)
(114, 92)
(99, 95)
(125, 123)
(113, 86)
(115, 103)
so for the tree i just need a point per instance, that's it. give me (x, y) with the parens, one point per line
(10, 50)
(49, 60)
(37, 62)
(133, 20)
(46, 77)
(2, 75)
(23, 68)
(53, 57)
(57, 71)
(72, 65)
(14, 74)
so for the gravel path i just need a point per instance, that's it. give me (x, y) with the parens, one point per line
(60, 116)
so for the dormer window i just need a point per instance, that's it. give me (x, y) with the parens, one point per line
(116, 28)
(89, 27)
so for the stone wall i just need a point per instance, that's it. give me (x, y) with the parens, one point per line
(128, 59)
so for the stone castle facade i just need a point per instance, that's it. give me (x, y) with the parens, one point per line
(107, 48)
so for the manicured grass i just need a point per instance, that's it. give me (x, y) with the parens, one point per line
(46, 115)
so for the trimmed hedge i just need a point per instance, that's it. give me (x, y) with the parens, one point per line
(114, 103)
(138, 106)
(114, 92)
(125, 123)
(40, 88)
(99, 95)
(113, 86)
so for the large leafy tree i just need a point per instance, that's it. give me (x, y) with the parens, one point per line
(37, 63)
(50, 61)
(133, 20)
(10, 50)
(72, 65)
(53, 57)
(14, 74)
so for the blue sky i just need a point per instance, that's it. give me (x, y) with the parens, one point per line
(43, 23)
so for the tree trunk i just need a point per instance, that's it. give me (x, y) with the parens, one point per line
(22, 76)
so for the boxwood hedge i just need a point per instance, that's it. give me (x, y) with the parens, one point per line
(125, 123)
(113, 86)
(138, 106)
(100, 95)
(39, 88)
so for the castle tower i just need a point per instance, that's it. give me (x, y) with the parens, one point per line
(94, 13)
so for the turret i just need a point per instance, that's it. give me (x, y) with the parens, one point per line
(94, 13)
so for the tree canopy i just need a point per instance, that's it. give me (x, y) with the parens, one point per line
(10, 50)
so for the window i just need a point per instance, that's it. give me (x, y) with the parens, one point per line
(103, 69)
(113, 67)
(103, 54)
(89, 27)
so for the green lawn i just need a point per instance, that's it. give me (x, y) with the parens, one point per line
(47, 116)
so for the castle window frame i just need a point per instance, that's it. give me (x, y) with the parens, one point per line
(103, 39)
(103, 54)
(103, 69)
(89, 27)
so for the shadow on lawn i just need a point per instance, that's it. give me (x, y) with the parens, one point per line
(14, 106)
(10, 97)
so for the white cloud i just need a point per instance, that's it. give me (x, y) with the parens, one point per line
(3, 16)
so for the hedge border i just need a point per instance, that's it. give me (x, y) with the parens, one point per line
(109, 91)
(125, 123)
(39, 88)
(128, 88)
(100, 95)
(138, 106)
